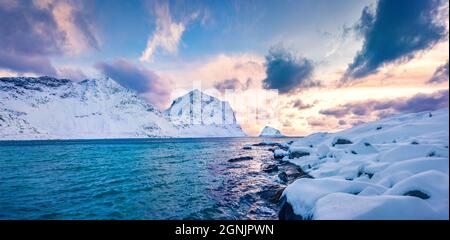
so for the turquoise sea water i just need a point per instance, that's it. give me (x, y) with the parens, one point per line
(134, 179)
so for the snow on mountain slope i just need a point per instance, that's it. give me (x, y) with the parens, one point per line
(199, 114)
(270, 132)
(49, 108)
(394, 168)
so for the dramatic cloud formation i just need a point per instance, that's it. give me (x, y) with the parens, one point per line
(33, 31)
(417, 103)
(394, 32)
(300, 105)
(167, 35)
(440, 75)
(287, 73)
(137, 78)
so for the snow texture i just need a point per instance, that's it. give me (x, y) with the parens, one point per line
(394, 168)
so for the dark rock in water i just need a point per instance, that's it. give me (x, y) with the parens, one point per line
(295, 175)
(367, 144)
(268, 144)
(286, 212)
(270, 168)
(279, 156)
(415, 142)
(238, 159)
(341, 141)
(290, 142)
(272, 193)
(271, 144)
(379, 128)
(354, 152)
(294, 172)
(297, 154)
(417, 193)
(247, 147)
(283, 176)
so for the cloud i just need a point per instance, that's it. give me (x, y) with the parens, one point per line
(320, 123)
(233, 84)
(217, 69)
(167, 35)
(71, 73)
(342, 122)
(139, 79)
(440, 75)
(382, 108)
(316, 122)
(394, 32)
(300, 105)
(31, 32)
(287, 124)
(287, 73)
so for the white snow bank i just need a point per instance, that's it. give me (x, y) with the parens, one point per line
(395, 168)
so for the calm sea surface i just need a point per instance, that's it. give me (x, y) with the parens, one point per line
(134, 179)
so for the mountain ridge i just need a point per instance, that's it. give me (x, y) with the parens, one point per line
(52, 108)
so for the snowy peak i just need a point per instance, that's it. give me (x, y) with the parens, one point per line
(199, 108)
(49, 108)
(270, 132)
(203, 114)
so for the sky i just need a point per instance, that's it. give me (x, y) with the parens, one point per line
(301, 66)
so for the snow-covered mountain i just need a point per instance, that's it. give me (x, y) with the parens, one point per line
(270, 132)
(199, 114)
(394, 168)
(50, 108)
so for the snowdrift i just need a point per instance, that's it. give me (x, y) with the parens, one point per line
(394, 168)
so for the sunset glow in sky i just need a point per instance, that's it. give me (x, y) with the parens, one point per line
(334, 63)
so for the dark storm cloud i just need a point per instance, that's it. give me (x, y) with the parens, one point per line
(287, 73)
(136, 78)
(417, 103)
(30, 35)
(394, 32)
(440, 75)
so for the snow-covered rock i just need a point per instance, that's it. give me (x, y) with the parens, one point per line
(202, 115)
(279, 153)
(397, 171)
(270, 132)
(50, 108)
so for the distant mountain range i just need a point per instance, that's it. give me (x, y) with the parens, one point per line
(51, 108)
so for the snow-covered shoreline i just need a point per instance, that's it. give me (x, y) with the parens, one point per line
(394, 168)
